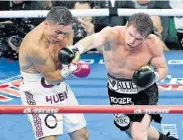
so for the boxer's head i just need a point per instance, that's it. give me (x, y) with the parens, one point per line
(139, 27)
(58, 24)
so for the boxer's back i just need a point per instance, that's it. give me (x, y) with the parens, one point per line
(31, 40)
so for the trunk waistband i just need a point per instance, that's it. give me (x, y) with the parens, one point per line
(119, 79)
(36, 77)
(31, 77)
(124, 86)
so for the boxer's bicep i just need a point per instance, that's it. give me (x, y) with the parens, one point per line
(158, 58)
(104, 37)
(45, 65)
(159, 62)
(100, 39)
(50, 71)
(94, 41)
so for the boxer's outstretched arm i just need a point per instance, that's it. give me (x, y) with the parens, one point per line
(44, 63)
(158, 60)
(96, 40)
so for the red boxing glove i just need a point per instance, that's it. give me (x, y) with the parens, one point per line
(83, 69)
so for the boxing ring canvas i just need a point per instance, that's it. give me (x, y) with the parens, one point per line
(92, 91)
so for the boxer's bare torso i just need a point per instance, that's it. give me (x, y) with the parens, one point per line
(36, 44)
(121, 61)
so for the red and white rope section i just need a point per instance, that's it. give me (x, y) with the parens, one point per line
(9, 84)
(148, 109)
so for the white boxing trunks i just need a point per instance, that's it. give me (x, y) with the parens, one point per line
(35, 91)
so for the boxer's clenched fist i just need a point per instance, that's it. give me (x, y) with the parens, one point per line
(69, 54)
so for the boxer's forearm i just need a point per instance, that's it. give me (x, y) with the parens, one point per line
(54, 77)
(100, 50)
(85, 44)
(162, 73)
(90, 42)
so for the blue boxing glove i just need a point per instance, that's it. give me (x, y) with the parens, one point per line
(69, 54)
(145, 77)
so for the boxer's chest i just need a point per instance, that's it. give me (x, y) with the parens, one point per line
(135, 60)
(119, 58)
(54, 50)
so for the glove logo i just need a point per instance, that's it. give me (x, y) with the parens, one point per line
(122, 120)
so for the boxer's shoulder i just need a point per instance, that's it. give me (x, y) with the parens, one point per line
(106, 30)
(118, 28)
(37, 50)
(115, 29)
(155, 44)
(153, 39)
(112, 33)
(30, 41)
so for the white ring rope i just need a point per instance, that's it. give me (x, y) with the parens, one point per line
(91, 12)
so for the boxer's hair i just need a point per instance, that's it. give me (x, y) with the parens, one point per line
(142, 22)
(60, 16)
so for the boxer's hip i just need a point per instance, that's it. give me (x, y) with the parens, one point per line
(122, 85)
(125, 92)
(33, 91)
(36, 83)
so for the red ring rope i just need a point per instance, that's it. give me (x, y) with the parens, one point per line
(18, 109)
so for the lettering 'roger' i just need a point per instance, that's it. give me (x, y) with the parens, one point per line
(120, 100)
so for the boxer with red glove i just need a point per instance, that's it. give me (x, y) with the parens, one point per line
(70, 57)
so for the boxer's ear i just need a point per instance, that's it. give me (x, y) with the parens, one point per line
(45, 22)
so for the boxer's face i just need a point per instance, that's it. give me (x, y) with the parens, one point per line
(57, 33)
(133, 38)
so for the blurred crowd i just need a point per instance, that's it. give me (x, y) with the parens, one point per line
(12, 31)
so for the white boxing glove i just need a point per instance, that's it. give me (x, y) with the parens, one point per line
(67, 70)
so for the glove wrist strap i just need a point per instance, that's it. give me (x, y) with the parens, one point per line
(65, 73)
(80, 48)
(68, 70)
(156, 76)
